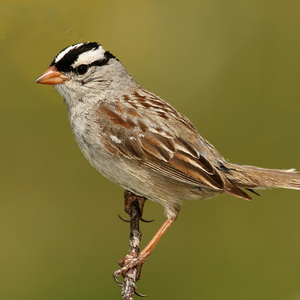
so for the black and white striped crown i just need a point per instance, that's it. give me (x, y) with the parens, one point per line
(90, 53)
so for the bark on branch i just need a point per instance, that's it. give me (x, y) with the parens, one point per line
(134, 208)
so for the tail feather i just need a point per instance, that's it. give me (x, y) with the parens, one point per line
(254, 177)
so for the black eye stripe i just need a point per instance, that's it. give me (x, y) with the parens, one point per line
(82, 69)
(98, 63)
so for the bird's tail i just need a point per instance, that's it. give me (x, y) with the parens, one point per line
(254, 177)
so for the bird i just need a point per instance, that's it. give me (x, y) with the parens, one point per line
(143, 144)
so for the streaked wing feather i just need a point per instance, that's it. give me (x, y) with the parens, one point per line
(153, 143)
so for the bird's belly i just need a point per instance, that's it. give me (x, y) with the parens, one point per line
(144, 182)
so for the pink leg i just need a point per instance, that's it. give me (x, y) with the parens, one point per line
(128, 262)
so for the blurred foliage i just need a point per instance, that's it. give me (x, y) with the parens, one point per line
(233, 68)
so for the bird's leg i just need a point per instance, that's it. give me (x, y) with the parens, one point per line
(129, 261)
(162, 230)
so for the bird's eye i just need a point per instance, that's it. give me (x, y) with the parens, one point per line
(82, 69)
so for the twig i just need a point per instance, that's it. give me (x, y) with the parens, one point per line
(134, 207)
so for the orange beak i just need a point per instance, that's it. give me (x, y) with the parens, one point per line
(52, 76)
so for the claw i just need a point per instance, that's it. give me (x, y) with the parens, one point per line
(121, 285)
(146, 221)
(125, 220)
(138, 294)
(117, 281)
(128, 221)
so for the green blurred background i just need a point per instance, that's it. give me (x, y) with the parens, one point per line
(233, 68)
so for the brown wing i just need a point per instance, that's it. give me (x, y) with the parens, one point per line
(150, 132)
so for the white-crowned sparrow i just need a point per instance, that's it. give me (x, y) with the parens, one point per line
(142, 143)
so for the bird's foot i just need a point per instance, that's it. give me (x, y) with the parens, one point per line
(129, 262)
